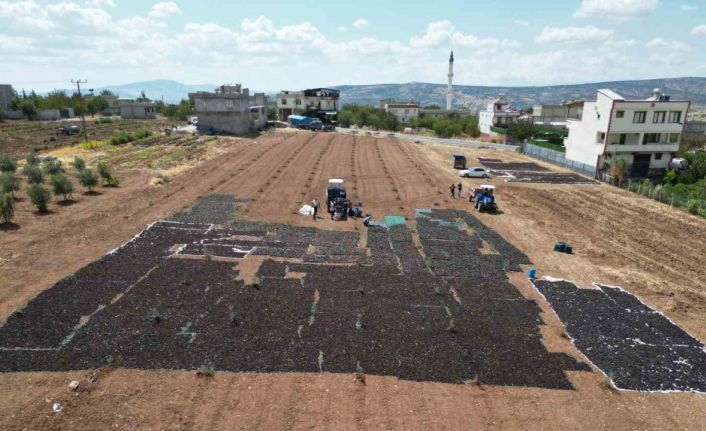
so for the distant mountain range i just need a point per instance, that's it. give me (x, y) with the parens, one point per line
(471, 96)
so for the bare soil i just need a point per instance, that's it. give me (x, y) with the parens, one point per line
(654, 251)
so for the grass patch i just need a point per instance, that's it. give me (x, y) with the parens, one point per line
(93, 145)
(548, 145)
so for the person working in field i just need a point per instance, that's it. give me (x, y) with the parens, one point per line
(315, 206)
(453, 191)
(460, 187)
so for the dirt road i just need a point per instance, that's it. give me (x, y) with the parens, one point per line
(654, 251)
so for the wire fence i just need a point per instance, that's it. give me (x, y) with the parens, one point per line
(696, 206)
(557, 158)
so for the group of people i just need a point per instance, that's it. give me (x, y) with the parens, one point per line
(456, 190)
(356, 211)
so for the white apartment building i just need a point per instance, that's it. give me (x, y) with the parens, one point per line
(497, 114)
(549, 115)
(322, 100)
(404, 111)
(645, 133)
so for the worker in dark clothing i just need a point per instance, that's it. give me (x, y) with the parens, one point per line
(367, 219)
(315, 206)
(453, 191)
(460, 187)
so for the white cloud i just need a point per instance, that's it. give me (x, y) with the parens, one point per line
(437, 33)
(659, 43)
(699, 30)
(521, 22)
(573, 34)
(688, 7)
(361, 23)
(162, 9)
(343, 29)
(615, 9)
(99, 3)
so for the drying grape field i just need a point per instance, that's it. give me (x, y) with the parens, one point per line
(331, 325)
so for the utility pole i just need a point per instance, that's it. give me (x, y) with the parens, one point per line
(78, 83)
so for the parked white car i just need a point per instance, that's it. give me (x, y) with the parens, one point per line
(474, 172)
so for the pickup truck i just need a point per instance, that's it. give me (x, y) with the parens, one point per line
(71, 129)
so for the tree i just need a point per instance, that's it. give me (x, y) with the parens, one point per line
(88, 179)
(104, 171)
(169, 111)
(618, 170)
(78, 163)
(107, 93)
(34, 174)
(39, 197)
(271, 114)
(9, 183)
(62, 186)
(96, 105)
(521, 130)
(7, 208)
(28, 108)
(7, 163)
(433, 106)
(185, 109)
(31, 159)
(53, 167)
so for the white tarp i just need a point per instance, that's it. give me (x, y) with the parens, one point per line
(306, 210)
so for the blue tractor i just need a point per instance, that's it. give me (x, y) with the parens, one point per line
(484, 198)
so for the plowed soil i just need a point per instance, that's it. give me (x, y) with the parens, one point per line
(656, 252)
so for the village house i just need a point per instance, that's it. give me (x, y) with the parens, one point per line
(404, 111)
(229, 109)
(322, 101)
(644, 133)
(497, 116)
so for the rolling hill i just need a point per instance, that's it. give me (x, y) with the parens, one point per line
(693, 89)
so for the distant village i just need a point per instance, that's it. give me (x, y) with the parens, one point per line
(589, 136)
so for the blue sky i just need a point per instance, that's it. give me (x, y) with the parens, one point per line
(273, 45)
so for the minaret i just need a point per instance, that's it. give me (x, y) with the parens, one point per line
(450, 89)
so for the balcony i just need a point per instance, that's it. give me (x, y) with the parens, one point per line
(661, 147)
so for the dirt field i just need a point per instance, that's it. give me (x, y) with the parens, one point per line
(653, 251)
(18, 138)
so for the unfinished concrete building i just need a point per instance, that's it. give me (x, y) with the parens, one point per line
(230, 110)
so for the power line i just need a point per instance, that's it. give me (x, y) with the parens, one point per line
(78, 83)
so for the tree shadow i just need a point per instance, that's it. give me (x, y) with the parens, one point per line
(66, 202)
(92, 193)
(43, 213)
(7, 227)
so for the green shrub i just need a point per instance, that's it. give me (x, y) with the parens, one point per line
(693, 205)
(78, 163)
(34, 174)
(32, 159)
(104, 120)
(125, 138)
(104, 172)
(62, 186)
(53, 167)
(87, 179)
(39, 196)
(7, 208)
(7, 163)
(9, 183)
(93, 145)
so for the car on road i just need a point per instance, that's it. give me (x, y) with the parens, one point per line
(474, 172)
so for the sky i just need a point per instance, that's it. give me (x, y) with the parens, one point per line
(276, 45)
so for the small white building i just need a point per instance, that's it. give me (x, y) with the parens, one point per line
(323, 101)
(134, 110)
(645, 133)
(498, 114)
(404, 111)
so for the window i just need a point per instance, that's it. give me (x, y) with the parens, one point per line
(639, 117)
(675, 116)
(658, 156)
(298, 102)
(229, 104)
(284, 101)
(623, 136)
(650, 138)
(673, 138)
(659, 116)
(619, 114)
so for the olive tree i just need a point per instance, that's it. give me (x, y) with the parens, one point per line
(7, 208)
(62, 186)
(39, 196)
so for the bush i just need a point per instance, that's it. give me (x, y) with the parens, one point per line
(104, 120)
(125, 138)
(9, 183)
(93, 145)
(7, 163)
(78, 163)
(34, 174)
(87, 179)
(62, 186)
(693, 205)
(39, 197)
(53, 167)
(104, 171)
(32, 159)
(7, 208)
